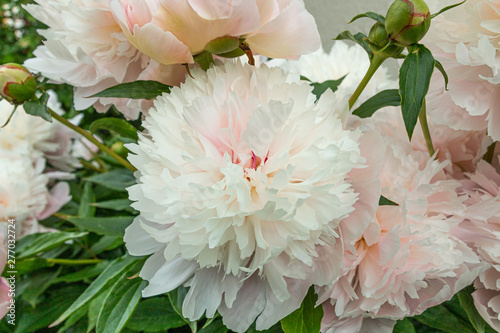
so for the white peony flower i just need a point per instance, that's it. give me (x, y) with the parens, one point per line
(342, 60)
(35, 137)
(242, 183)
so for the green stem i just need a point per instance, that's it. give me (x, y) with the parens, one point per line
(73, 261)
(377, 60)
(490, 153)
(91, 138)
(425, 128)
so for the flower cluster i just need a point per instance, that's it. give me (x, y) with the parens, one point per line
(256, 185)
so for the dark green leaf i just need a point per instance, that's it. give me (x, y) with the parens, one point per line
(88, 197)
(414, 77)
(120, 302)
(116, 126)
(446, 9)
(375, 16)
(116, 204)
(307, 318)
(358, 38)
(84, 274)
(440, 67)
(38, 107)
(440, 318)
(155, 315)
(42, 242)
(135, 90)
(104, 281)
(467, 303)
(320, 88)
(384, 98)
(383, 201)
(215, 327)
(37, 285)
(404, 326)
(118, 179)
(109, 226)
(46, 312)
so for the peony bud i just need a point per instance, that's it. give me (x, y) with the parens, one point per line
(378, 40)
(17, 84)
(119, 149)
(407, 21)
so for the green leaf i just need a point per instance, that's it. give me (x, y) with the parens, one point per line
(440, 67)
(116, 204)
(121, 301)
(467, 303)
(176, 298)
(414, 78)
(446, 9)
(109, 226)
(37, 284)
(95, 307)
(135, 90)
(24, 266)
(103, 281)
(55, 304)
(204, 59)
(116, 126)
(404, 326)
(320, 88)
(84, 274)
(384, 98)
(36, 243)
(358, 38)
(73, 319)
(215, 327)
(38, 107)
(440, 318)
(375, 16)
(383, 201)
(118, 179)
(155, 315)
(86, 209)
(107, 243)
(307, 318)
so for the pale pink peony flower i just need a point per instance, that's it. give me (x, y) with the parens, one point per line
(174, 31)
(464, 149)
(242, 183)
(466, 40)
(406, 261)
(481, 229)
(24, 195)
(35, 137)
(343, 60)
(87, 49)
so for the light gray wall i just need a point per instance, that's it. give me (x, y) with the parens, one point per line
(332, 16)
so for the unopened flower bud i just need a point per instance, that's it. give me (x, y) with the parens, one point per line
(407, 21)
(17, 84)
(379, 40)
(119, 149)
